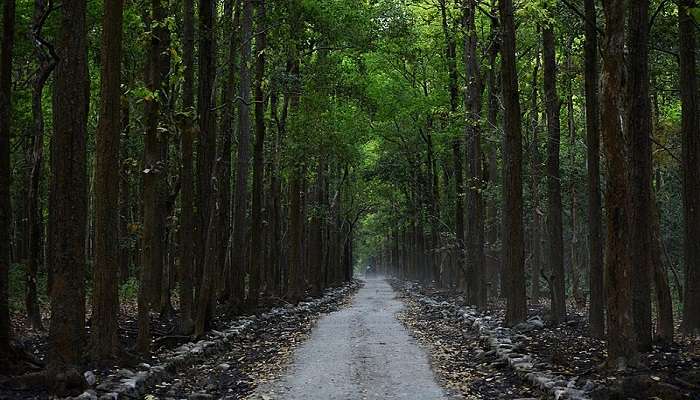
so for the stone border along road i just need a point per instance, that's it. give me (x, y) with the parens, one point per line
(504, 341)
(126, 384)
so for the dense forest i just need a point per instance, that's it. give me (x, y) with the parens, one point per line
(190, 160)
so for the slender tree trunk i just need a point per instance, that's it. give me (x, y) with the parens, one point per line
(125, 201)
(240, 223)
(206, 146)
(493, 178)
(68, 190)
(516, 310)
(8, 31)
(229, 24)
(187, 222)
(47, 63)
(691, 170)
(555, 254)
(475, 205)
(105, 341)
(621, 340)
(639, 134)
(664, 301)
(153, 175)
(257, 261)
(536, 172)
(596, 308)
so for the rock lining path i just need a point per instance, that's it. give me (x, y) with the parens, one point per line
(360, 352)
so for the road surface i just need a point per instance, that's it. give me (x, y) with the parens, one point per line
(359, 352)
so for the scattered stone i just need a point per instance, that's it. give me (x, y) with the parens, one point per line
(90, 378)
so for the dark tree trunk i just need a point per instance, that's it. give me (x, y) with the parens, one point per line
(596, 308)
(125, 200)
(8, 32)
(206, 146)
(516, 310)
(493, 178)
(187, 223)
(475, 185)
(664, 301)
(35, 222)
(621, 340)
(153, 175)
(691, 170)
(555, 256)
(228, 92)
(257, 261)
(536, 172)
(639, 136)
(240, 223)
(105, 341)
(68, 190)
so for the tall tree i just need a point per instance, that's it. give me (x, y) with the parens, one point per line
(68, 190)
(8, 34)
(187, 223)
(457, 144)
(46, 59)
(206, 146)
(475, 205)
(153, 175)
(555, 255)
(105, 342)
(639, 127)
(257, 261)
(240, 223)
(513, 252)
(596, 308)
(691, 168)
(622, 351)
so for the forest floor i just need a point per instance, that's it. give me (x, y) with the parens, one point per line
(227, 363)
(469, 364)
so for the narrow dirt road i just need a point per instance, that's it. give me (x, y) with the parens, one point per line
(360, 352)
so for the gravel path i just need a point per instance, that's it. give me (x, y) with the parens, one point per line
(360, 352)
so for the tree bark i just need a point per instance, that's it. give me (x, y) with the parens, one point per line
(68, 190)
(105, 341)
(240, 223)
(691, 170)
(206, 146)
(555, 256)
(639, 136)
(536, 172)
(516, 309)
(621, 340)
(475, 205)
(596, 308)
(257, 261)
(8, 32)
(153, 175)
(187, 218)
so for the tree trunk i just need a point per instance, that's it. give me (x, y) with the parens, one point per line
(240, 223)
(229, 23)
(493, 178)
(516, 310)
(105, 341)
(187, 222)
(475, 185)
(596, 308)
(8, 31)
(257, 260)
(35, 224)
(691, 170)
(206, 146)
(555, 256)
(153, 175)
(664, 301)
(639, 136)
(536, 172)
(68, 190)
(622, 351)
